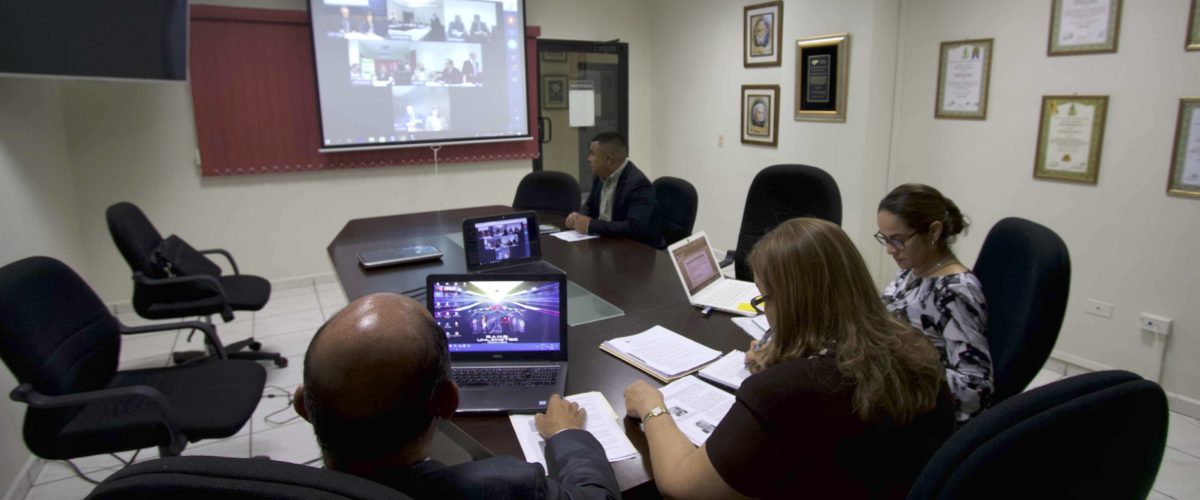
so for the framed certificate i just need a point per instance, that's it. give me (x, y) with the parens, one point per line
(1069, 137)
(1083, 27)
(1185, 160)
(760, 114)
(964, 70)
(762, 34)
(822, 64)
(1193, 33)
(554, 91)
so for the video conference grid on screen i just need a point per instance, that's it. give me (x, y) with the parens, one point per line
(411, 72)
(491, 316)
(502, 240)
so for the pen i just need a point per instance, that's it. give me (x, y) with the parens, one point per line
(707, 311)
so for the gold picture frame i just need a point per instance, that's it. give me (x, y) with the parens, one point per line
(964, 74)
(822, 71)
(1070, 138)
(762, 34)
(1193, 32)
(1076, 29)
(1184, 179)
(760, 115)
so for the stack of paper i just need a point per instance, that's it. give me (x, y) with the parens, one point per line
(728, 371)
(573, 235)
(601, 422)
(755, 327)
(696, 407)
(661, 352)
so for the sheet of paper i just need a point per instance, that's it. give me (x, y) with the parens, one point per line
(753, 327)
(601, 422)
(696, 407)
(665, 351)
(573, 235)
(729, 371)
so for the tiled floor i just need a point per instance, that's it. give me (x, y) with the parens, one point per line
(288, 323)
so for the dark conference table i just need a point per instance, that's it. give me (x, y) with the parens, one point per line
(636, 278)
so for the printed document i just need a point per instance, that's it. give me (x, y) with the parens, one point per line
(696, 407)
(601, 421)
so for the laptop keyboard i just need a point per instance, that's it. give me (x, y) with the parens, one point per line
(727, 292)
(527, 376)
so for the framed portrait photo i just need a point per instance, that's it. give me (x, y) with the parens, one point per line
(1193, 32)
(964, 69)
(554, 92)
(1069, 138)
(822, 65)
(1185, 159)
(1083, 27)
(762, 35)
(760, 115)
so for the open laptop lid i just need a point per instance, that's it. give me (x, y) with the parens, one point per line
(501, 240)
(501, 317)
(695, 263)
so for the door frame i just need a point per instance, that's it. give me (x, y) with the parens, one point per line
(620, 49)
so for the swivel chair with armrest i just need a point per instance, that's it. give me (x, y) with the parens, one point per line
(157, 295)
(549, 191)
(675, 210)
(63, 346)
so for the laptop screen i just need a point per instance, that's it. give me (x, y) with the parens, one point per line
(501, 240)
(499, 315)
(696, 264)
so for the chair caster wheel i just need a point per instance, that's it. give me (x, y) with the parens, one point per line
(254, 346)
(281, 362)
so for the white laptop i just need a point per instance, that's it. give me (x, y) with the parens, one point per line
(702, 279)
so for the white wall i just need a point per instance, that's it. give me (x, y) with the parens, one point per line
(697, 77)
(1131, 245)
(37, 215)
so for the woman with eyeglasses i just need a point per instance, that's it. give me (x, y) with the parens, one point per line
(935, 292)
(844, 400)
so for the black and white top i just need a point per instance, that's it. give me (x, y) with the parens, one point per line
(952, 313)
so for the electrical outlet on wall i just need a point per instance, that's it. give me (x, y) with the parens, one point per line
(1154, 324)
(720, 140)
(1102, 309)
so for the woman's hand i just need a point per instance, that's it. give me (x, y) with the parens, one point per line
(640, 398)
(752, 356)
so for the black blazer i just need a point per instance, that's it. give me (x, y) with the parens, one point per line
(578, 470)
(633, 206)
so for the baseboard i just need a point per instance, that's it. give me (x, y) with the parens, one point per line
(125, 306)
(21, 484)
(1183, 405)
(1077, 361)
(1073, 365)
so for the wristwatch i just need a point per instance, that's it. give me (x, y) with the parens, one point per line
(654, 412)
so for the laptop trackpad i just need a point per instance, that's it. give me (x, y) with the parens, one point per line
(495, 399)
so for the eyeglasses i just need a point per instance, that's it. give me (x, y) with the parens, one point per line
(895, 241)
(757, 303)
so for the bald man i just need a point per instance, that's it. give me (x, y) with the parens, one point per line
(376, 383)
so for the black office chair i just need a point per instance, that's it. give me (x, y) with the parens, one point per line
(1097, 435)
(675, 210)
(202, 478)
(158, 295)
(548, 190)
(779, 193)
(1025, 271)
(63, 345)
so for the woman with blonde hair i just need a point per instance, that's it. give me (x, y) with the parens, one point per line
(844, 400)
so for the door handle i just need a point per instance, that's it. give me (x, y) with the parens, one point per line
(546, 129)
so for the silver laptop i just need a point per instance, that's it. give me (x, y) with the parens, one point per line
(507, 335)
(702, 279)
(506, 243)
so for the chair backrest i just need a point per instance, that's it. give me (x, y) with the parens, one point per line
(675, 210)
(1096, 435)
(199, 477)
(548, 190)
(779, 193)
(135, 237)
(1025, 271)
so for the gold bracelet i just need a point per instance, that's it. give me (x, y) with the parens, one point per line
(654, 412)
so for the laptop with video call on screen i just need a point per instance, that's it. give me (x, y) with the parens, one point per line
(507, 335)
(702, 279)
(505, 243)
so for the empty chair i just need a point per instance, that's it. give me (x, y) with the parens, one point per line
(779, 193)
(675, 211)
(1025, 271)
(185, 478)
(62, 344)
(549, 191)
(159, 295)
(1097, 435)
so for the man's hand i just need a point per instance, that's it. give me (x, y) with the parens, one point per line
(640, 398)
(579, 223)
(570, 222)
(560, 415)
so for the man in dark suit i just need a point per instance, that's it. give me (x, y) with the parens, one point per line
(470, 70)
(622, 199)
(375, 385)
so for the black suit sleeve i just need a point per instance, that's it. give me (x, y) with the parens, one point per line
(591, 206)
(578, 467)
(637, 201)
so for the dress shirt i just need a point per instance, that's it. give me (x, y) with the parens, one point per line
(609, 190)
